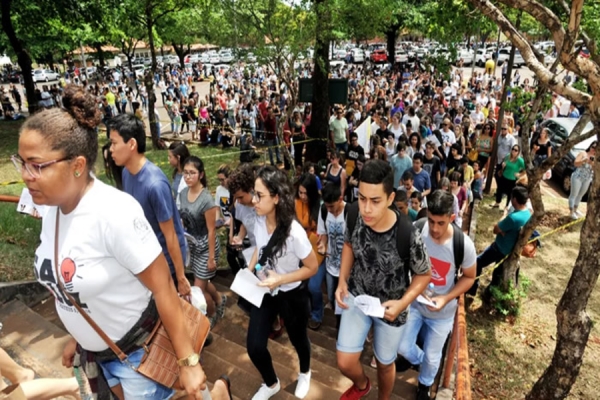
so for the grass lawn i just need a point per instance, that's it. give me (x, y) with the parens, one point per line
(507, 356)
(19, 234)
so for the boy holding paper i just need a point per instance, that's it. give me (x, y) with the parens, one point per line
(371, 265)
(437, 235)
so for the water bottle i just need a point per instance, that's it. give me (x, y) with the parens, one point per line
(429, 292)
(262, 274)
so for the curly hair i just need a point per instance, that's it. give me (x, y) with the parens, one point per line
(242, 178)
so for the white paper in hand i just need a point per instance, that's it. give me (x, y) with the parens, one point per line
(245, 284)
(338, 309)
(27, 206)
(423, 300)
(369, 305)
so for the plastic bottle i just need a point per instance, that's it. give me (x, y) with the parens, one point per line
(429, 292)
(262, 274)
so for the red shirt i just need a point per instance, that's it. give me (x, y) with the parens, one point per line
(262, 108)
(270, 128)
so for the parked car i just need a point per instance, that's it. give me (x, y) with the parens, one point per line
(171, 59)
(214, 58)
(559, 130)
(251, 58)
(204, 58)
(15, 77)
(44, 75)
(379, 56)
(465, 55)
(481, 56)
(401, 56)
(357, 55)
(139, 69)
(226, 57)
(504, 54)
(336, 63)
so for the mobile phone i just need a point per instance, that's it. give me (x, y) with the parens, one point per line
(592, 158)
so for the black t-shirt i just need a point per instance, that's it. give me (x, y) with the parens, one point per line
(355, 152)
(432, 166)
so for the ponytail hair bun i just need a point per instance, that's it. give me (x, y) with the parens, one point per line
(82, 106)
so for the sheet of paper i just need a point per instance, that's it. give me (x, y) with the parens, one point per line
(245, 284)
(369, 305)
(423, 300)
(248, 253)
(338, 309)
(27, 206)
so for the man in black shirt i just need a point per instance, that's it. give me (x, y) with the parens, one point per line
(383, 131)
(432, 164)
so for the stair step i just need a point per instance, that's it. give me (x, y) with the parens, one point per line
(33, 341)
(323, 356)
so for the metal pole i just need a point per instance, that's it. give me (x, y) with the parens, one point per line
(83, 61)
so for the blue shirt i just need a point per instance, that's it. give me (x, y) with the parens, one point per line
(399, 165)
(511, 226)
(151, 188)
(422, 180)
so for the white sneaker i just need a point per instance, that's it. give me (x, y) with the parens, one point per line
(265, 392)
(303, 385)
(574, 216)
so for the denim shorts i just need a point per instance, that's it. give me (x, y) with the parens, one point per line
(135, 386)
(354, 328)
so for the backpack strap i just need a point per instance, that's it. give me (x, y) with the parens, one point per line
(324, 213)
(351, 212)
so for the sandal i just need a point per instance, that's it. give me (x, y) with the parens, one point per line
(227, 382)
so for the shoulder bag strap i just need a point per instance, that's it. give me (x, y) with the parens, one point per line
(122, 356)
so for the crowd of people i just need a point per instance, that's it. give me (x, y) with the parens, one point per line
(385, 221)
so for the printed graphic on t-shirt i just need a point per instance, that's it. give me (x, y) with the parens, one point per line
(224, 204)
(439, 271)
(68, 270)
(335, 231)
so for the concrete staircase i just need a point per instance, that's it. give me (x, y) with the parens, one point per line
(35, 338)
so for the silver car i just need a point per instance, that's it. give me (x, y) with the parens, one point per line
(44, 75)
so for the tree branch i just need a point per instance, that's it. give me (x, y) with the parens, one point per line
(542, 73)
(573, 26)
(589, 43)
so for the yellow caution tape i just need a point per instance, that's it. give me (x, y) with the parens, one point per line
(553, 231)
(10, 183)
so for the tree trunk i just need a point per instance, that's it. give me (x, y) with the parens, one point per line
(493, 162)
(23, 57)
(99, 53)
(149, 79)
(319, 125)
(180, 53)
(390, 35)
(574, 324)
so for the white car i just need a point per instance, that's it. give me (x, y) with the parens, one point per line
(465, 55)
(44, 75)
(401, 56)
(357, 55)
(214, 59)
(251, 58)
(336, 63)
(139, 70)
(226, 57)
(204, 58)
(481, 56)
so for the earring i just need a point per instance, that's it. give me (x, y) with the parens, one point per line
(77, 174)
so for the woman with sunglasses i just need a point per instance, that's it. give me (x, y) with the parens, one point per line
(512, 168)
(105, 253)
(581, 178)
(289, 260)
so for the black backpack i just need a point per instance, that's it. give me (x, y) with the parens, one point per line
(324, 211)
(403, 235)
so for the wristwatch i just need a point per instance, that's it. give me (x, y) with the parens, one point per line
(190, 361)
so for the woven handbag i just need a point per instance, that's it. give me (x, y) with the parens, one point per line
(159, 362)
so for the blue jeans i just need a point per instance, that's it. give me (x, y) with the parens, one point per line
(435, 335)
(491, 255)
(135, 386)
(270, 144)
(578, 189)
(355, 326)
(342, 147)
(316, 295)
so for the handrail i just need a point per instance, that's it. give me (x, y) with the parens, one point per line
(9, 199)
(463, 375)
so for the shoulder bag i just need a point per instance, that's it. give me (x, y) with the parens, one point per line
(159, 362)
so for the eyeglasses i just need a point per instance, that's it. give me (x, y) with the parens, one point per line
(34, 169)
(188, 174)
(259, 196)
(515, 150)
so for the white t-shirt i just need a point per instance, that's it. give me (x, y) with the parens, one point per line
(247, 216)
(222, 201)
(103, 244)
(297, 248)
(443, 271)
(448, 137)
(334, 228)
